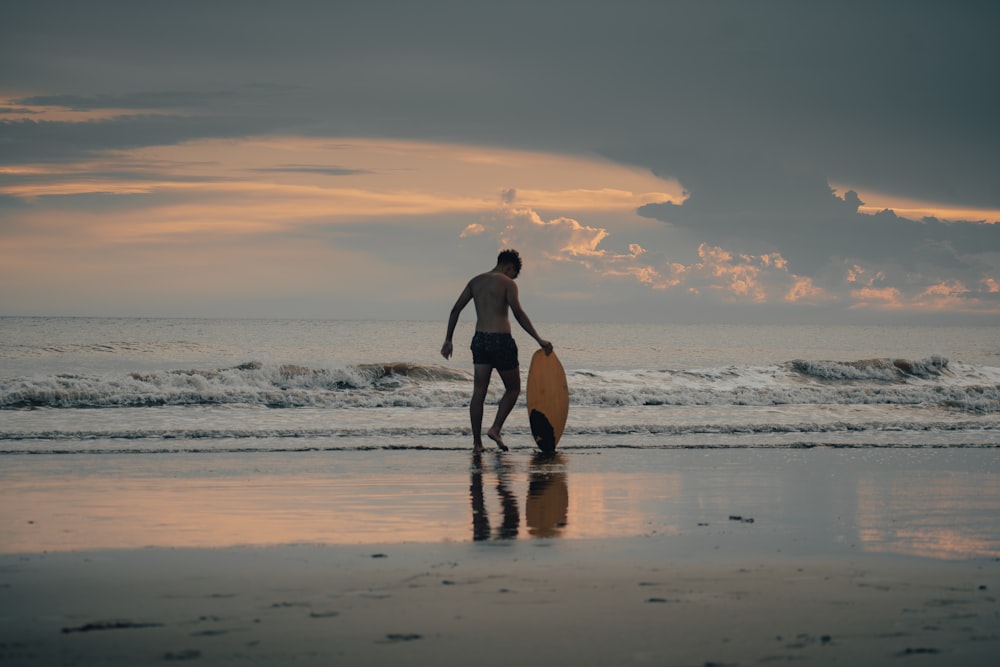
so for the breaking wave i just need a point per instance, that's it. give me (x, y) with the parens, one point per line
(881, 370)
(250, 383)
(933, 381)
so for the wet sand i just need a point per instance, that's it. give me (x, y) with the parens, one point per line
(529, 603)
(374, 558)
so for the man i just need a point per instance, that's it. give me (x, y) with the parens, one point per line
(494, 293)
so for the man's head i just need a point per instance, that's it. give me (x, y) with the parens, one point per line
(511, 258)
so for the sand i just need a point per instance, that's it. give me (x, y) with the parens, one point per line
(669, 558)
(527, 603)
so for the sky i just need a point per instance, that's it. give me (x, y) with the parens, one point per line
(655, 161)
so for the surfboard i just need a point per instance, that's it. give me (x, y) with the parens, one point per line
(548, 400)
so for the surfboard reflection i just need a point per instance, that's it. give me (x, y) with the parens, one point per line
(546, 506)
(548, 495)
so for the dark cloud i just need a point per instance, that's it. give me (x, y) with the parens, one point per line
(900, 97)
(9, 202)
(136, 175)
(833, 232)
(152, 100)
(314, 169)
(755, 108)
(53, 141)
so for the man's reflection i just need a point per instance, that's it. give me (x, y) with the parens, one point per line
(548, 495)
(480, 519)
(547, 502)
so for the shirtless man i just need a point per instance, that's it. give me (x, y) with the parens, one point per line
(493, 292)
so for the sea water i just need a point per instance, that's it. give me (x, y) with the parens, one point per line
(125, 433)
(80, 385)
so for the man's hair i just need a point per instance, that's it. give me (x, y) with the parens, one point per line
(510, 257)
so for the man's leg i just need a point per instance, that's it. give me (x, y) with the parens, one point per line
(480, 383)
(512, 389)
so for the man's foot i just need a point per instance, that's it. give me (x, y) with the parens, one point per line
(495, 437)
(477, 448)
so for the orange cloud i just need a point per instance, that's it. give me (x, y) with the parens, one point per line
(949, 295)
(264, 184)
(740, 278)
(54, 113)
(884, 297)
(754, 278)
(474, 229)
(953, 295)
(803, 290)
(733, 277)
(916, 209)
(563, 238)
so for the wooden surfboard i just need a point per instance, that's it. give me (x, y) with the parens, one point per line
(548, 400)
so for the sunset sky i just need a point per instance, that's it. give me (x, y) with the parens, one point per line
(771, 161)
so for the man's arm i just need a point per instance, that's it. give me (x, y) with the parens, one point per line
(463, 300)
(522, 317)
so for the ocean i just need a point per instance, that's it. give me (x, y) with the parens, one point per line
(129, 433)
(160, 386)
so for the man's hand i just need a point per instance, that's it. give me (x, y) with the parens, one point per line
(547, 346)
(446, 349)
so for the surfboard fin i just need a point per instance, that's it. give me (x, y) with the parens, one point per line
(541, 428)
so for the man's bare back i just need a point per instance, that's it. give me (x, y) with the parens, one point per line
(490, 294)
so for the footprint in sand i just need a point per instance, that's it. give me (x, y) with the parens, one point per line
(397, 638)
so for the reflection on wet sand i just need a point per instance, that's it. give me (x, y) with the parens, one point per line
(930, 515)
(546, 506)
(928, 503)
(480, 518)
(510, 514)
(548, 495)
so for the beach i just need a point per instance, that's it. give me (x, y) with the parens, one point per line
(447, 604)
(723, 557)
(304, 492)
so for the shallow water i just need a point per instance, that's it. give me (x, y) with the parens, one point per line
(931, 503)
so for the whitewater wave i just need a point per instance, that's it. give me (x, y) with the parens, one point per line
(880, 370)
(249, 383)
(933, 381)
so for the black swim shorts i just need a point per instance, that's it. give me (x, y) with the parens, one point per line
(495, 349)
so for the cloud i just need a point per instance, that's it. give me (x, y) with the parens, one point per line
(313, 169)
(723, 276)
(679, 87)
(827, 233)
(149, 100)
(717, 273)
(16, 111)
(475, 229)
(755, 110)
(559, 239)
(28, 141)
